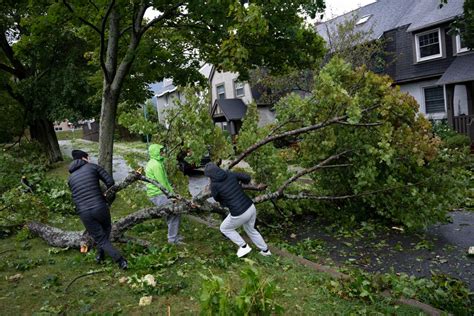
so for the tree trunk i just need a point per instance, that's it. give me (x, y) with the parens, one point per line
(108, 114)
(42, 130)
(75, 239)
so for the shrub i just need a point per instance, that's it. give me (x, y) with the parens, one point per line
(450, 137)
(25, 160)
(440, 291)
(256, 297)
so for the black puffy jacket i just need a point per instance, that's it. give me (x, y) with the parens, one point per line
(226, 189)
(84, 184)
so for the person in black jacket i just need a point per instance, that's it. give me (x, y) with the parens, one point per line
(91, 205)
(226, 189)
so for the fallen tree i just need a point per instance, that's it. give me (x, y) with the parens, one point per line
(356, 143)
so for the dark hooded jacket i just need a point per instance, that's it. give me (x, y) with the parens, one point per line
(226, 189)
(84, 184)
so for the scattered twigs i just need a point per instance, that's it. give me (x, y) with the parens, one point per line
(82, 276)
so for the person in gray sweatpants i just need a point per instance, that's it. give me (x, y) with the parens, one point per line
(173, 220)
(155, 169)
(226, 189)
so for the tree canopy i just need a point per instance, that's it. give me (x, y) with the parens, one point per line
(43, 68)
(229, 34)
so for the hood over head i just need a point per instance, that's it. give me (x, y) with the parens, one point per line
(214, 172)
(155, 151)
(76, 164)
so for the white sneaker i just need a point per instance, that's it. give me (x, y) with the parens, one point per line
(243, 251)
(265, 253)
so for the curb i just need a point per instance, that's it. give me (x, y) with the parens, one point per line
(428, 309)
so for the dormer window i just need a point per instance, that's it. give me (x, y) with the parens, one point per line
(363, 19)
(428, 45)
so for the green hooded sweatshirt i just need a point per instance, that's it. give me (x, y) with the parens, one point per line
(155, 169)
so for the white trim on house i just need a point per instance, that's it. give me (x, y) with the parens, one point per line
(167, 91)
(417, 45)
(460, 49)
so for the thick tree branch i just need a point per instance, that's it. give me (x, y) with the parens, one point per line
(94, 5)
(280, 191)
(309, 170)
(167, 14)
(21, 71)
(8, 69)
(102, 39)
(294, 132)
(360, 124)
(70, 8)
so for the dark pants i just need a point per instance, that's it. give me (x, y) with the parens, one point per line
(98, 224)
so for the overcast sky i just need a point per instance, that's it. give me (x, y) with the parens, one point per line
(338, 7)
(334, 8)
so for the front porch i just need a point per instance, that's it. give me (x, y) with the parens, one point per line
(460, 107)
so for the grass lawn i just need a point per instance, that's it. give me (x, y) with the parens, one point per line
(43, 273)
(68, 135)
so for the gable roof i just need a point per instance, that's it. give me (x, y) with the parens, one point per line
(233, 109)
(386, 15)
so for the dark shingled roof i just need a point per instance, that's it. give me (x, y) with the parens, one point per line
(461, 69)
(387, 15)
(426, 13)
(233, 109)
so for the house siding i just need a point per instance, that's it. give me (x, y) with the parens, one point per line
(403, 65)
(165, 102)
(228, 78)
(416, 89)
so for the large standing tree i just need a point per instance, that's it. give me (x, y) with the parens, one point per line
(44, 71)
(234, 35)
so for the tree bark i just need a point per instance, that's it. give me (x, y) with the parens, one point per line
(42, 130)
(108, 115)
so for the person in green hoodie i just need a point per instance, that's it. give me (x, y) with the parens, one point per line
(155, 169)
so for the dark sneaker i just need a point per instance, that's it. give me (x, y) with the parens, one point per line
(123, 264)
(100, 256)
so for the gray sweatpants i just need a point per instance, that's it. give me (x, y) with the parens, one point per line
(247, 219)
(173, 220)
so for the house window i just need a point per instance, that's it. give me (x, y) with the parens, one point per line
(461, 46)
(434, 100)
(220, 89)
(239, 89)
(428, 45)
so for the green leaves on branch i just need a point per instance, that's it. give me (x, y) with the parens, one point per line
(256, 297)
(396, 168)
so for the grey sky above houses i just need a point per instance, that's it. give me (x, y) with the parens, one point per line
(334, 8)
(337, 7)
